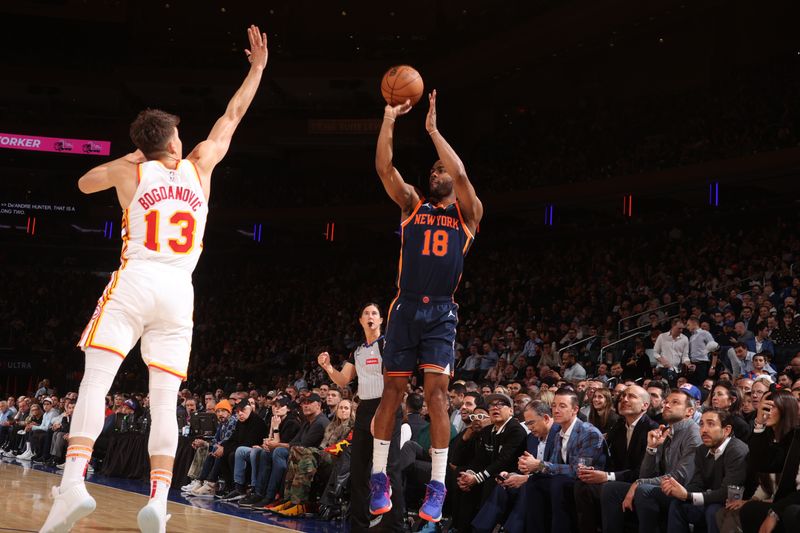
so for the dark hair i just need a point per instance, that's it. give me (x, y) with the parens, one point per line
(658, 384)
(599, 419)
(733, 392)
(151, 130)
(761, 325)
(563, 391)
(458, 388)
(414, 402)
(787, 405)
(479, 402)
(739, 345)
(539, 407)
(688, 398)
(725, 417)
(369, 304)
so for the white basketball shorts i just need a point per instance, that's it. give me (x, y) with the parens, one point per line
(146, 300)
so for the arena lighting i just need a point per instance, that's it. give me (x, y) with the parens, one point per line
(16, 141)
(548, 215)
(627, 205)
(713, 193)
(31, 226)
(108, 229)
(329, 230)
(257, 232)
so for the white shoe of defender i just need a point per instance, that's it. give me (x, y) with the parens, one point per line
(69, 506)
(153, 518)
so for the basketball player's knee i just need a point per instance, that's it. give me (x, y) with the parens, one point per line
(436, 397)
(164, 430)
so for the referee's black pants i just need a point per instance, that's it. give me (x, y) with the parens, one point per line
(361, 469)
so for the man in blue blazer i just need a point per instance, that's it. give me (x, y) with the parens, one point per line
(549, 494)
(507, 501)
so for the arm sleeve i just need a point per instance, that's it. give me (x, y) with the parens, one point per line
(590, 446)
(314, 435)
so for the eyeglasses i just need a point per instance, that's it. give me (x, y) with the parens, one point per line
(478, 416)
(498, 405)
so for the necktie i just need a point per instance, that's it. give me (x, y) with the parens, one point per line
(557, 450)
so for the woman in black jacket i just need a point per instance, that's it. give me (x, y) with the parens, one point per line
(774, 448)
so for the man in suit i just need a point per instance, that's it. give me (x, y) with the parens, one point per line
(720, 462)
(761, 343)
(509, 495)
(627, 441)
(670, 452)
(549, 494)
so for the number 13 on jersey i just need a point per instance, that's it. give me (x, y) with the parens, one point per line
(185, 241)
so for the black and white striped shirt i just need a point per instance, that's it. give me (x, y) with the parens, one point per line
(368, 361)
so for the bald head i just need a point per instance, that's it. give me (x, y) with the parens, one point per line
(633, 401)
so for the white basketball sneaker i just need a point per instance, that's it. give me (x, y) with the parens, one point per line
(153, 518)
(69, 506)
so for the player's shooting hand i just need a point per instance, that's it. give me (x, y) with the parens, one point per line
(324, 359)
(257, 53)
(430, 119)
(393, 112)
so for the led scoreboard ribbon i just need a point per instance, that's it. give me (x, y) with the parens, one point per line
(15, 141)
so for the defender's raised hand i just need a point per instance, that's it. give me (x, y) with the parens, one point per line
(430, 119)
(257, 53)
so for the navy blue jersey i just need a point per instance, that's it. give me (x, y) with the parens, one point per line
(434, 241)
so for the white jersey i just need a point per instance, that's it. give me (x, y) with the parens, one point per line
(166, 220)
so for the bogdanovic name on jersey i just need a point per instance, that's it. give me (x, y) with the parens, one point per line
(157, 194)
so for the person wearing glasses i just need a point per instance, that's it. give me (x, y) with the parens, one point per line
(509, 494)
(499, 445)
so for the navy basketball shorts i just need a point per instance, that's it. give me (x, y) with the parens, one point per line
(420, 333)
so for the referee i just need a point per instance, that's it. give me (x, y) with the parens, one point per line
(366, 363)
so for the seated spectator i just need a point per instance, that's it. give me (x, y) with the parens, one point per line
(506, 503)
(499, 447)
(60, 436)
(602, 414)
(740, 360)
(250, 431)
(456, 393)
(761, 367)
(15, 444)
(775, 456)
(571, 370)
(273, 464)
(635, 364)
(726, 397)
(657, 391)
(33, 419)
(205, 482)
(332, 399)
(670, 453)
(627, 441)
(549, 492)
(306, 462)
(7, 413)
(720, 462)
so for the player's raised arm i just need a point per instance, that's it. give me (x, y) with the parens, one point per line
(401, 192)
(211, 151)
(107, 175)
(471, 206)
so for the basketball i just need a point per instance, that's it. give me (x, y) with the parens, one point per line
(401, 83)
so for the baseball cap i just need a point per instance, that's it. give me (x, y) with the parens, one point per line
(132, 404)
(283, 401)
(313, 397)
(241, 405)
(47, 399)
(503, 398)
(692, 391)
(224, 404)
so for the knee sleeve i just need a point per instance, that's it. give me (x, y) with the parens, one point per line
(163, 401)
(101, 368)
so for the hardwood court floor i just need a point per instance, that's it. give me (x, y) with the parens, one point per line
(25, 501)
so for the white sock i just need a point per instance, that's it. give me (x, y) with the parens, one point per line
(75, 465)
(438, 464)
(160, 481)
(380, 455)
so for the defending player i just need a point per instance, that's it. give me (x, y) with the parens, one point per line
(165, 205)
(436, 234)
